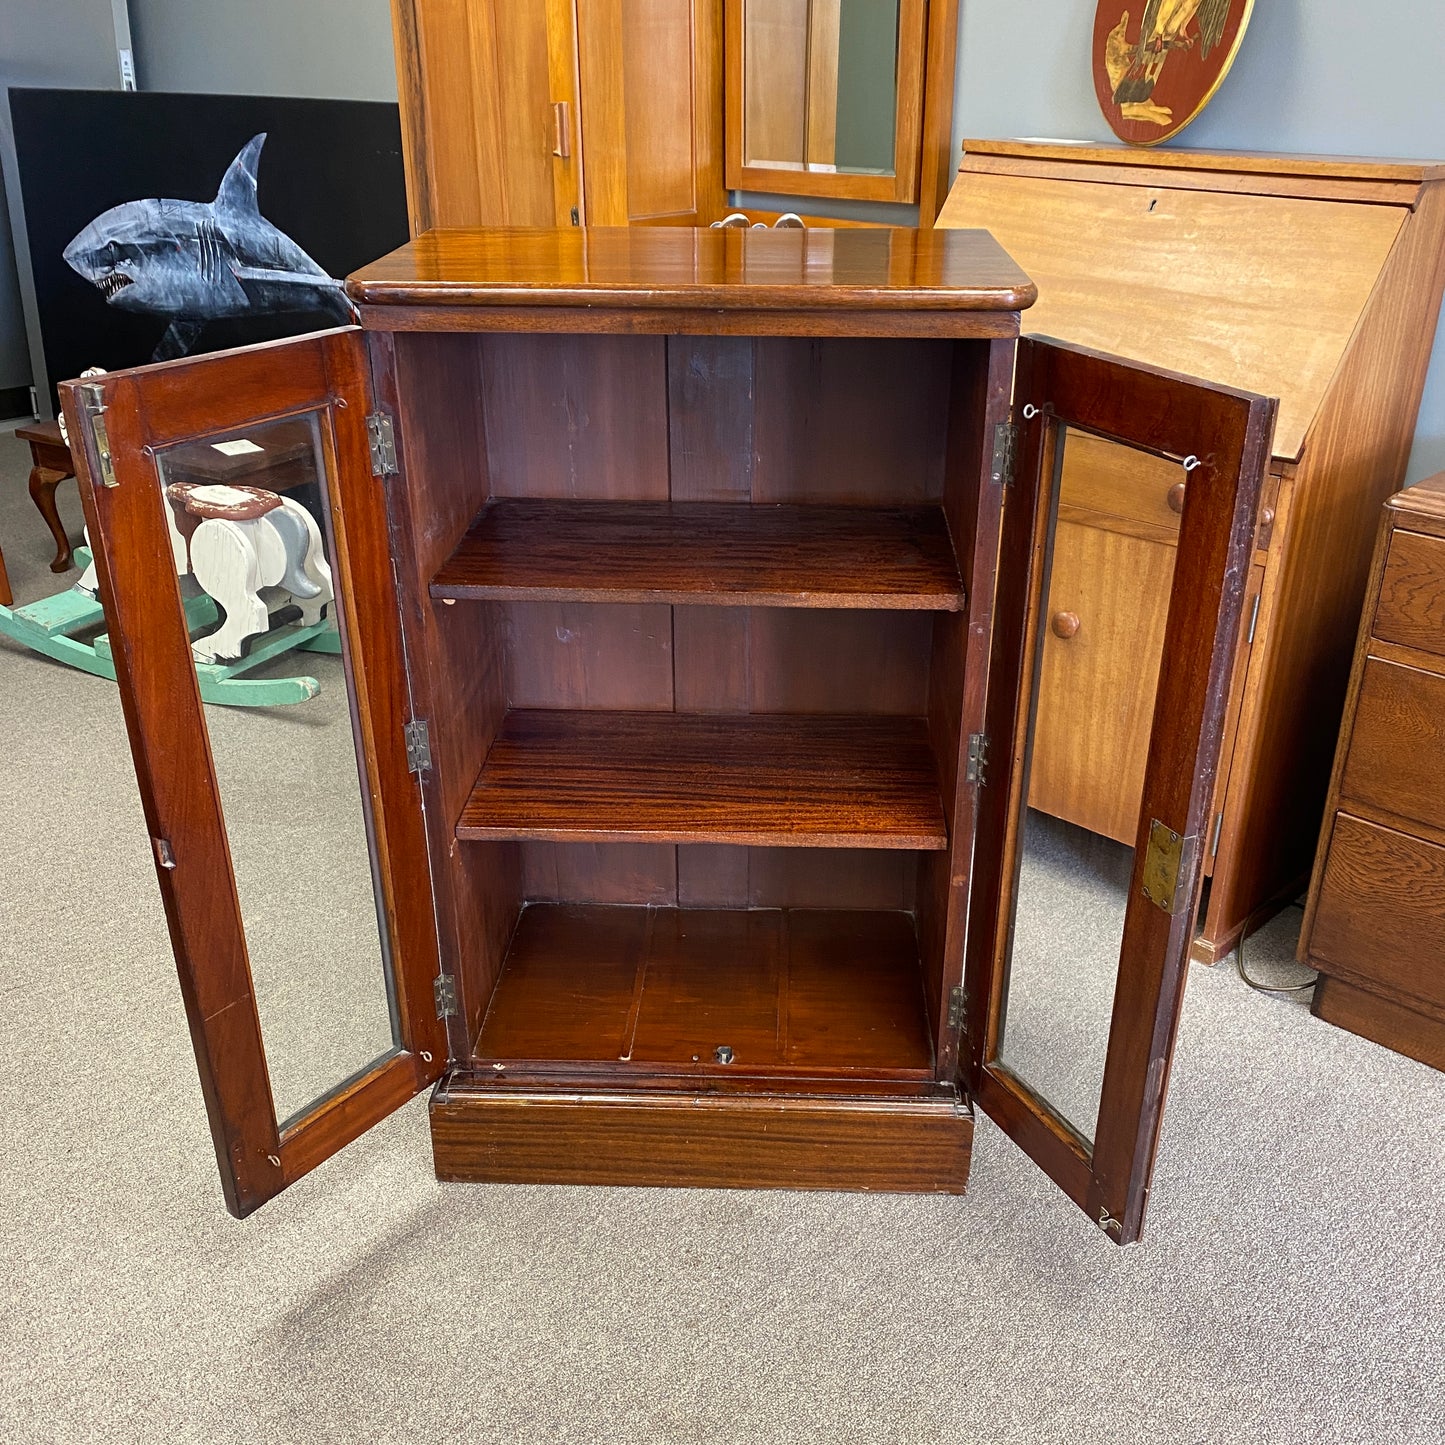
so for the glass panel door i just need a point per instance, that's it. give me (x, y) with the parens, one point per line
(1125, 554)
(240, 551)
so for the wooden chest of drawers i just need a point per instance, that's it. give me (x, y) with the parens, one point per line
(1375, 924)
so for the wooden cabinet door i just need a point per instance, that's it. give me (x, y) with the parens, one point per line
(489, 111)
(595, 112)
(241, 554)
(1078, 947)
(650, 75)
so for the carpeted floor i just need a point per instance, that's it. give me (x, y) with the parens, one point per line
(1291, 1287)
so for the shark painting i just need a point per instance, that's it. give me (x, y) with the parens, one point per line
(200, 261)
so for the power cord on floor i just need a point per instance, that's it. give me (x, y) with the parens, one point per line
(1239, 956)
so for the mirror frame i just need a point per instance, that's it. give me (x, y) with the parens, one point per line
(908, 122)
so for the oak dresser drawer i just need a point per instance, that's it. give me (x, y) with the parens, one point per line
(1396, 759)
(1383, 901)
(1412, 593)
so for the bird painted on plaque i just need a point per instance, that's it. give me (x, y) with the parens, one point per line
(1168, 25)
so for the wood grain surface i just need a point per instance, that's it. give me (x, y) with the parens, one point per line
(1411, 610)
(1220, 286)
(762, 779)
(1381, 913)
(1396, 758)
(701, 552)
(1408, 1031)
(801, 990)
(651, 268)
(485, 1132)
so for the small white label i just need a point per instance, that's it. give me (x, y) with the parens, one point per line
(238, 448)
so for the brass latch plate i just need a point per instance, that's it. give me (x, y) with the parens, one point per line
(1167, 866)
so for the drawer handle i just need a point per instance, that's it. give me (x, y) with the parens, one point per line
(1176, 497)
(1064, 624)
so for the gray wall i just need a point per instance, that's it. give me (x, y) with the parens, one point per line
(324, 49)
(1313, 75)
(44, 42)
(1330, 76)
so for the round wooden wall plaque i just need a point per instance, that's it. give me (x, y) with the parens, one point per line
(1157, 63)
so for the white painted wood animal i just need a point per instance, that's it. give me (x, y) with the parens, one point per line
(252, 552)
(279, 546)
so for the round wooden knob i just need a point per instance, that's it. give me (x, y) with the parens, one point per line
(1176, 497)
(1064, 624)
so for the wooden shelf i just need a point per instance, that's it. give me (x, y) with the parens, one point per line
(726, 554)
(824, 993)
(770, 780)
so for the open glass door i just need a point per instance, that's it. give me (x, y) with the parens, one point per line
(1132, 520)
(241, 553)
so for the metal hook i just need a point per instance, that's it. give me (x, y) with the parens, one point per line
(1190, 462)
(1030, 411)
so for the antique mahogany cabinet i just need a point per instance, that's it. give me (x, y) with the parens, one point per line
(689, 586)
(1311, 278)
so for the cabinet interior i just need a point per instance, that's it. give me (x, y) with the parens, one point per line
(624, 557)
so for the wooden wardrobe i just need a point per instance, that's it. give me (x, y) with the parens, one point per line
(561, 112)
(613, 112)
(1312, 279)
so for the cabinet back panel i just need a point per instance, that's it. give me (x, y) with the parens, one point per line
(701, 418)
(576, 416)
(849, 420)
(581, 654)
(800, 660)
(718, 876)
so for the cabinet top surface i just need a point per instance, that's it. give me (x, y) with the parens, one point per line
(1424, 500)
(662, 267)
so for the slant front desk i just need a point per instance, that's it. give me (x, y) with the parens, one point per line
(688, 595)
(1315, 279)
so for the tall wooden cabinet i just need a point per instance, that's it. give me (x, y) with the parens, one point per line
(688, 589)
(1312, 279)
(612, 112)
(558, 112)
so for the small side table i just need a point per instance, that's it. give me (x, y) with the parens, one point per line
(50, 464)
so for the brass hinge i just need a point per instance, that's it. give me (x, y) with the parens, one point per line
(382, 438)
(957, 1006)
(1005, 453)
(1168, 863)
(444, 986)
(92, 399)
(977, 759)
(1253, 621)
(1218, 828)
(418, 745)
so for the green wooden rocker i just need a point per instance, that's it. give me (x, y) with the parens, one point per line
(255, 585)
(69, 627)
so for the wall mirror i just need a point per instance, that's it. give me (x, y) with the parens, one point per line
(825, 97)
